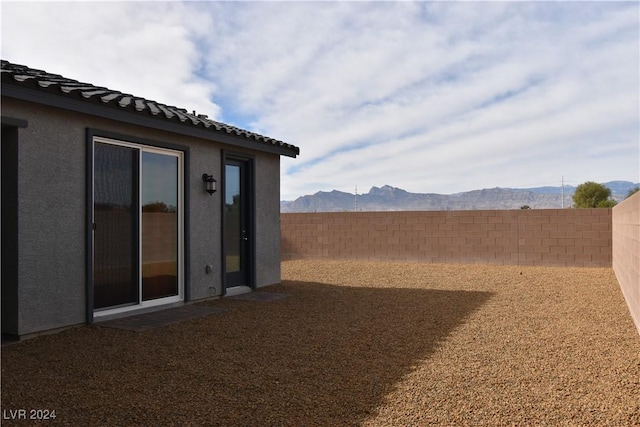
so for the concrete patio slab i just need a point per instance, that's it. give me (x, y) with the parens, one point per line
(156, 319)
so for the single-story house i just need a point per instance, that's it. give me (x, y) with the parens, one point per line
(114, 204)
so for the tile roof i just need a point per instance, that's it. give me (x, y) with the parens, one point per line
(23, 76)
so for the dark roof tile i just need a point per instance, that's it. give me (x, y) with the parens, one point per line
(110, 97)
(21, 75)
(90, 94)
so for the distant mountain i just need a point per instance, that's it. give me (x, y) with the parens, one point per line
(388, 198)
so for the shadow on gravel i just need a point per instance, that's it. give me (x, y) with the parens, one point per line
(326, 355)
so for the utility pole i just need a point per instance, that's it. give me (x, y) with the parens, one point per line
(563, 192)
(356, 200)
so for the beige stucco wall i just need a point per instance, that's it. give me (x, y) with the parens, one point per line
(626, 252)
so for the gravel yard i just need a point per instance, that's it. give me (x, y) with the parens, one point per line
(356, 343)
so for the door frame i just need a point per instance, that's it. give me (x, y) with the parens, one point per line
(249, 188)
(9, 153)
(94, 135)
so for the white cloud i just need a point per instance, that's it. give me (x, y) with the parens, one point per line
(427, 96)
(145, 49)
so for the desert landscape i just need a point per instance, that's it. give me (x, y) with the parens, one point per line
(356, 343)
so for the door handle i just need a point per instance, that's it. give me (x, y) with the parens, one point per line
(244, 235)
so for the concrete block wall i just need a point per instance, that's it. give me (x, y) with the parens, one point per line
(550, 237)
(626, 252)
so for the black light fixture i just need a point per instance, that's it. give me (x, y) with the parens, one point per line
(210, 184)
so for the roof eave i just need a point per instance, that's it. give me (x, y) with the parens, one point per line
(141, 119)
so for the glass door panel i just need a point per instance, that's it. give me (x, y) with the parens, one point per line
(159, 225)
(115, 275)
(233, 219)
(237, 223)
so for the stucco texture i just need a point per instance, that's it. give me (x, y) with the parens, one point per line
(52, 212)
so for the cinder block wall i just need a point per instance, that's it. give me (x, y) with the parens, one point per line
(550, 237)
(626, 252)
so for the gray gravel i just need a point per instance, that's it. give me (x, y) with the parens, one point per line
(356, 343)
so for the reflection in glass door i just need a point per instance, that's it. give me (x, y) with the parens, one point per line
(159, 225)
(137, 225)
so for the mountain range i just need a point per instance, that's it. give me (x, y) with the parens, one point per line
(388, 198)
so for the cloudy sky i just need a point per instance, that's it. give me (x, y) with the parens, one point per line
(437, 97)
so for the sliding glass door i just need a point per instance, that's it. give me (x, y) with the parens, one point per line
(115, 207)
(160, 237)
(138, 225)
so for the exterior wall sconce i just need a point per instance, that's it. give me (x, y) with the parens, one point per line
(210, 184)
